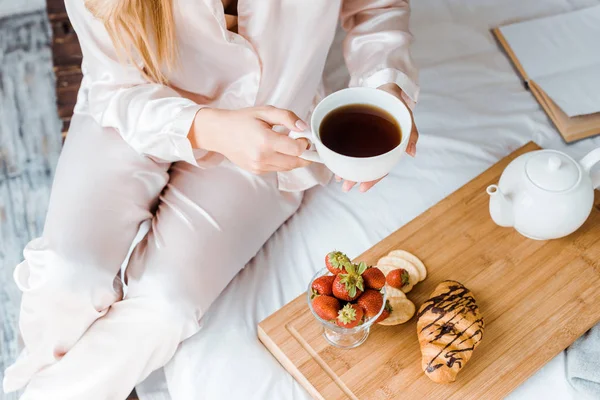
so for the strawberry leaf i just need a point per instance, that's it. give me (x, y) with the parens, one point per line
(359, 283)
(350, 269)
(388, 306)
(345, 279)
(362, 267)
(347, 314)
(351, 291)
(338, 259)
(405, 278)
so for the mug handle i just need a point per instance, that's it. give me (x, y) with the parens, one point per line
(309, 155)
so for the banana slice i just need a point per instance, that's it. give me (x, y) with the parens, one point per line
(405, 255)
(402, 311)
(391, 291)
(396, 262)
(385, 268)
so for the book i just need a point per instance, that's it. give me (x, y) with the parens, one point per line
(558, 58)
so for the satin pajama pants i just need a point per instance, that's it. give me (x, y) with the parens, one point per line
(82, 339)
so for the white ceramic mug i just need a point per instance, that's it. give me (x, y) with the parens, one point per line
(357, 169)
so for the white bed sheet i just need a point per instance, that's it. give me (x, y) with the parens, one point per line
(473, 111)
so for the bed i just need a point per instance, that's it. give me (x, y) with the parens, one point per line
(473, 111)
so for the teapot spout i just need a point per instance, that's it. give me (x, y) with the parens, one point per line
(501, 209)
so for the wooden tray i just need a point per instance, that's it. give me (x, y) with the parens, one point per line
(536, 299)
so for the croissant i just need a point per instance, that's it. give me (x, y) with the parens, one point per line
(449, 328)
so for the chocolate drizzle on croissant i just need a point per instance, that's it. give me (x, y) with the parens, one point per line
(449, 327)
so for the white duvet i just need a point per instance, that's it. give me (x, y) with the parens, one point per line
(473, 111)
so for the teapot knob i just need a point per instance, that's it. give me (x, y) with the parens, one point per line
(554, 163)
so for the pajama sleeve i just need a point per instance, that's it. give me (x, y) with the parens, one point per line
(152, 118)
(377, 45)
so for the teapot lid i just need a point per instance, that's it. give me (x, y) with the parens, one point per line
(552, 170)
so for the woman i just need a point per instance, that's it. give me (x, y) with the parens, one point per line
(174, 125)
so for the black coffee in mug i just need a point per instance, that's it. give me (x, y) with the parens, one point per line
(360, 130)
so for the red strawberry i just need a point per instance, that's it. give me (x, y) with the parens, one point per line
(349, 316)
(398, 278)
(350, 285)
(323, 285)
(326, 307)
(374, 278)
(336, 262)
(371, 302)
(385, 313)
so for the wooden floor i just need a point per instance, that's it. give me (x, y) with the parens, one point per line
(29, 146)
(31, 101)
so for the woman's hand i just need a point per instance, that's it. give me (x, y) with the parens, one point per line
(247, 139)
(411, 147)
(393, 89)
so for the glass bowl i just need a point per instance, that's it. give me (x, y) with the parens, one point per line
(335, 335)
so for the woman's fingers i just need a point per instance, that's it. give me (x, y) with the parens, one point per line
(304, 143)
(363, 187)
(394, 89)
(368, 185)
(347, 186)
(277, 116)
(411, 147)
(282, 143)
(276, 153)
(283, 162)
(286, 145)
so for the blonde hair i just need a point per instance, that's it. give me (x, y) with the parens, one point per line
(144, 30)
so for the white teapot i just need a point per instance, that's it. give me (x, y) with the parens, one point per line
(545, 194)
